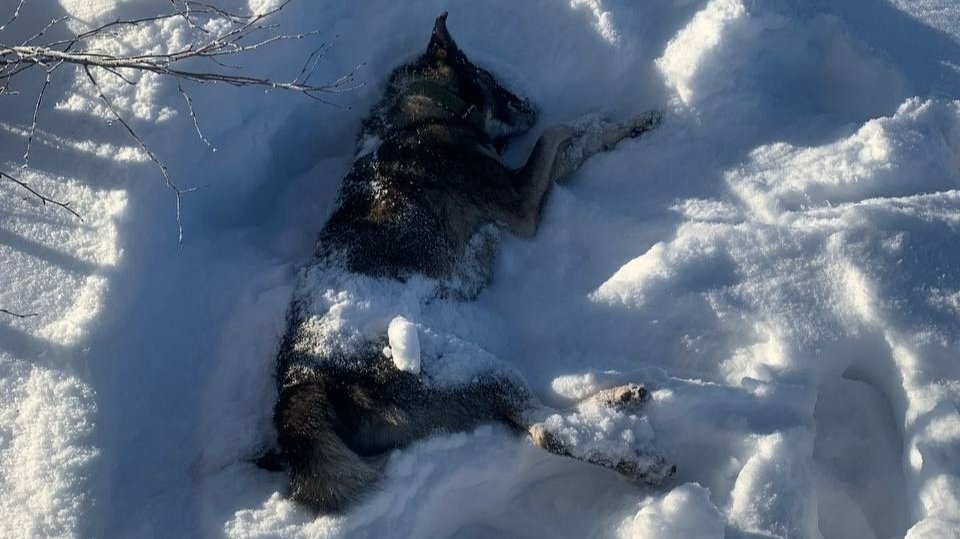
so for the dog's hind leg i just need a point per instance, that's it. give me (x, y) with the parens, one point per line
(559, 152)
(327, 429)
(402, 409)
(325, 474)
(570, 436)
(506, 398)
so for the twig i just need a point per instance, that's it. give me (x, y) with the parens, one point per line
(44, 30)
(168, 181)
(193, 116)
(7, 68)
(186, 16)
(16, 13)
(36, 112)
(43, 198)
(18, 315)
(307, 70)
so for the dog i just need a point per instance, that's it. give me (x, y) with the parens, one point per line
(421, 208)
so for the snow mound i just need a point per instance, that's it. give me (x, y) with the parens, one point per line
(685, 511)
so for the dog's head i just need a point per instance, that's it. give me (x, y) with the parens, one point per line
(471, 90)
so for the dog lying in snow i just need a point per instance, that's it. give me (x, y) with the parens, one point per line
(417, 207)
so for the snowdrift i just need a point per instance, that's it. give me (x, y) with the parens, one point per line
(778, 262)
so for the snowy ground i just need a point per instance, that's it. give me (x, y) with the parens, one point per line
(778, 261)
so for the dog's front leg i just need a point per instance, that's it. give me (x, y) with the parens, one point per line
(593, 134)
(563, 149)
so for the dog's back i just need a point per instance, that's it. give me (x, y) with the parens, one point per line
(412, 205)
(428, 174)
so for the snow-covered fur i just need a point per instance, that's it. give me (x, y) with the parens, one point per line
(427, 182)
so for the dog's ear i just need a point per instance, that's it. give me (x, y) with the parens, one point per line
(441, 44)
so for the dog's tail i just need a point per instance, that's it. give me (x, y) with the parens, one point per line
(324, 473)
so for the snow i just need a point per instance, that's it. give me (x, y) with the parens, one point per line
(404, 345)
(776, 262)
(685, 511)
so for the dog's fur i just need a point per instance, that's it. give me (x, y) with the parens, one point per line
(428, 176)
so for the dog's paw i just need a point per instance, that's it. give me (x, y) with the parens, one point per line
(616, 131)
(606, 430)
(594, 133)
(652, 469)
(644, 122)
(628, 397)
(543, 438)
(636, 459)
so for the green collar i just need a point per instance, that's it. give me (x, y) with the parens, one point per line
(446, 98)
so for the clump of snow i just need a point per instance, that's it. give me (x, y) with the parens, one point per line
(404, 345)
(345, 311)
(685, 511)
(577, 387)
(260, 7)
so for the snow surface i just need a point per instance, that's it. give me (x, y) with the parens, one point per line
(777, 262)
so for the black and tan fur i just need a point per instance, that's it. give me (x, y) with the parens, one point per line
(427, 178)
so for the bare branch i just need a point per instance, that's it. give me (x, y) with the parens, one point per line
(44, 30)
(119, 75)
(43, 198)
(168, 181)
(162, 65)
(18, 68)
(18, 315)
(223, 64)
(220, 36)
(16, 13)
(312, 61)
(36, 112)
(193, 115)
(232, 41)
(100, 30)
(186, 9)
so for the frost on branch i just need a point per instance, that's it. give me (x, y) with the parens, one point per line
(216, 40)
